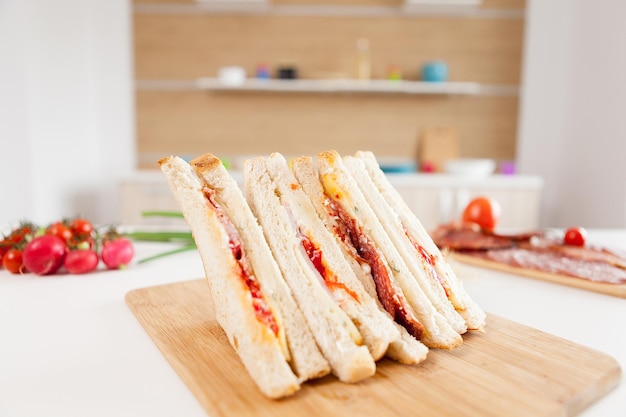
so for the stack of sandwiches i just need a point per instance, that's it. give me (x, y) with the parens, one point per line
(318, 267)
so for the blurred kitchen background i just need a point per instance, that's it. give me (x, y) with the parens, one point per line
(93, 92)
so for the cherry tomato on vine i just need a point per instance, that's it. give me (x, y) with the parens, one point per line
(60, 230)
(81, 227)
(21, 233)
(575, 236)
(483, 211)
(5, 245)
(81, 242)
(12, 261)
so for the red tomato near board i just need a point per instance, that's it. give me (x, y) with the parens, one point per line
(575, 236)
(61, 231)
(81, 227)
(483, 211)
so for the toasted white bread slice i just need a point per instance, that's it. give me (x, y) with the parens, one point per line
(471, 312)
(419, 262)
(306, 359)
(342, 188)
(257, 339)
(336, 335)
(406, 348)
(377, 329)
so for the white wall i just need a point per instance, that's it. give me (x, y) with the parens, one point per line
(572, 129)
(66, 108)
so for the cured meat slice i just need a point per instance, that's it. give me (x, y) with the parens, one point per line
(389, 294)
(538, 251)
(554, 262)
(469, 237)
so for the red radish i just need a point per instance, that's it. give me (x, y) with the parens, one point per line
(44, 254)
(81, 261)
(117, 253)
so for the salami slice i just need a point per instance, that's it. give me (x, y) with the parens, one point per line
(553, 261)
(538, 251)
(467, 236)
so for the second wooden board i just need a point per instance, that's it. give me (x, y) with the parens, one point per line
(617, 290)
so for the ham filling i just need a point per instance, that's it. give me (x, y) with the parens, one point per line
(428, 261)
(262, 310)
(330, 279)
(389, 294)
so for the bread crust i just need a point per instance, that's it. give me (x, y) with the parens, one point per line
(257, 346)
(305, 357)
(206, 163)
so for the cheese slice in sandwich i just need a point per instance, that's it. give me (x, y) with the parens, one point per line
(306, 360)
(341, 187)
(249, 316)
(406, 348)
(300, 256)
(424, 248)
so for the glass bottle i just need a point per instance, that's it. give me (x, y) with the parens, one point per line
(363, 69)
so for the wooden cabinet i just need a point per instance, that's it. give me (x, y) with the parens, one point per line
(434, 198)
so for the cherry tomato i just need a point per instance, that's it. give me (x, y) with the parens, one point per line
(81, 242)
(483, 211)
(117, 253)
(575, 236)
(12, 261)
(81, 261)
(44, 254)
(5, 246)
(81, 227)
(60, 230)
(21, 233)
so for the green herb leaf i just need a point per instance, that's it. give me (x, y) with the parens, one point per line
(167, 253)
(161, 236)
(157, 213)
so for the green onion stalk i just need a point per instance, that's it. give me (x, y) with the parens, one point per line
(184, 238)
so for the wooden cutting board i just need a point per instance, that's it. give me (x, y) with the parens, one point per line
(617, 290)
(509, 370)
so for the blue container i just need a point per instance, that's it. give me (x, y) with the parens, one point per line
(435, 71)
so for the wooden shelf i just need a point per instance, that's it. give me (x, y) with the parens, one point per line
(449, 8)
(346, 86)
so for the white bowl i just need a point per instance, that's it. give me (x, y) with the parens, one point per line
(470, 167)
(232, 76)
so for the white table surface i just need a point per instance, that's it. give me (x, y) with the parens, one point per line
(69, 345)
